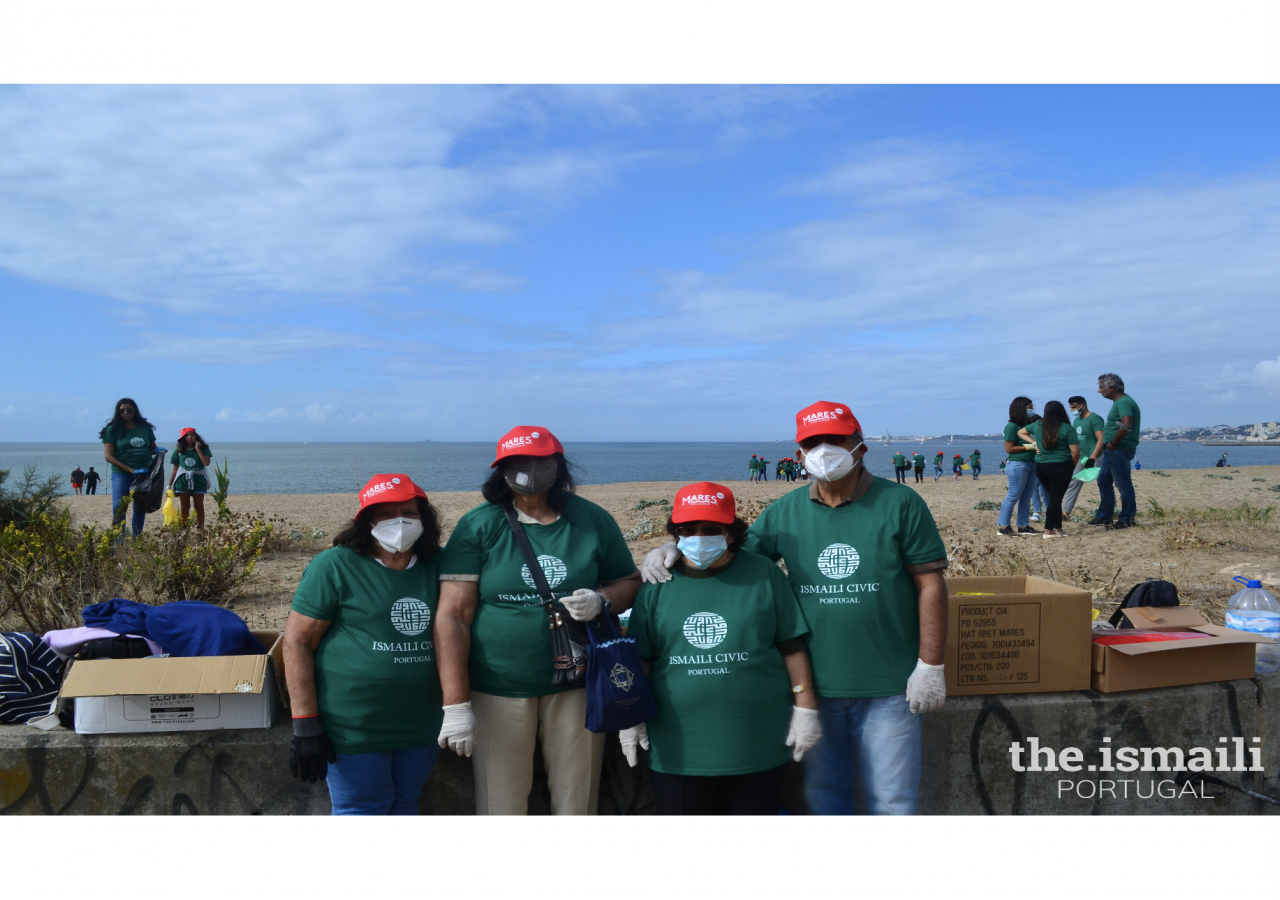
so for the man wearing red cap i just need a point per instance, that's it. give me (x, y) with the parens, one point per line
(866, 561)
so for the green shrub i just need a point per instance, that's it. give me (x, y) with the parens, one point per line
(219, 494)
(1160, 473)
(23, 500)
(986, 504)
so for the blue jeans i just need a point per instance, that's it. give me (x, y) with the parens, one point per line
(383, 783)
(881, 738)
(1022, 484)
(976, 471)
(1115, 474)
(937, 471)
(120, 483)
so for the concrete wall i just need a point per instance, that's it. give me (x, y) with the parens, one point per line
(966, 764)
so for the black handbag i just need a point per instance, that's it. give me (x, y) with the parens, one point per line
(568, 636)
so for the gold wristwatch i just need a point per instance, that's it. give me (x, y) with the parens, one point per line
(800, 688)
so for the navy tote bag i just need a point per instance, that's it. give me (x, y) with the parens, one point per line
(618, 694)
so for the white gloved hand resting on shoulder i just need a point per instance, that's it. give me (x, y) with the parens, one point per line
(458, 730)
(804, 733)
(630, 738)
(926, 688)
(583, 604)
(657, 564)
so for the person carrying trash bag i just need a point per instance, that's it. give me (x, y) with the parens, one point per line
(128, 444)
(723, 645)
(504, 688)
(358, 655)
(865, 559)
(189, 479)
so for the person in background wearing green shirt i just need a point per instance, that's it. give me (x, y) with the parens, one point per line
(496, 667)
(1021, 471)
(753, 468)
(1088, 426)
(937, 465)
(1120, 443)
(975, 463)
(189, 479)
(764, 469)
(358, 655)
(128, 444)
(900, 467)
(865, 559)
(723, 645)
(917, 463)
(1057, 452)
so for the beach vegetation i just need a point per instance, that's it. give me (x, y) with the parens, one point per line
(219, 494)
(986, 504)
(25, 498)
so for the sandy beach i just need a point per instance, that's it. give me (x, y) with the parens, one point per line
(1188, 545)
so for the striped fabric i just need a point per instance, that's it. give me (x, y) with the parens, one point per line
(30, 675)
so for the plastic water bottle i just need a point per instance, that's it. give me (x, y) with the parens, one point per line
(1253, 609)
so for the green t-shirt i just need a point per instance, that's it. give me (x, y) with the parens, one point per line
(510, 640)
(192, 475)
(1061, 451)
(975, 459)
(1011, 435)
(917, 460)
(754, 465)
(848, 567)
(133, 447)
(1123, 406)
(937, 459)
(1086, 427)
(723, 694)
(376, 678)
(899, 460)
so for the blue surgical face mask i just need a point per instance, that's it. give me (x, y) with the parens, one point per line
(702, 550)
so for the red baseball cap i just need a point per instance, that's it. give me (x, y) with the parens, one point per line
(186, 431)
(527, 440)
(825, 418)
(390, 488)
(704, 502)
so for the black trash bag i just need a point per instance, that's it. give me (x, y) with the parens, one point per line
(115, 648)
(148, 488)
(1151, 592)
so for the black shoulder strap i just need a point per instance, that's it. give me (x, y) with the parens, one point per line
(530, 558)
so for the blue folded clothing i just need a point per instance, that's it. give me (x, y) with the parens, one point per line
(182, 628)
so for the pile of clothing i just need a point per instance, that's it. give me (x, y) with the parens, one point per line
(32, 666)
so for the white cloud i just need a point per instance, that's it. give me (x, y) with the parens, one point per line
(225, 414)
(319, 413)
(1266, 374)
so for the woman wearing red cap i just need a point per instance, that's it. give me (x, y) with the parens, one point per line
(189, 479)
(495, 646)
(358, 655)
(723, 645)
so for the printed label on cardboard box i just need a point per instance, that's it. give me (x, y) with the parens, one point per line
(999, 643)
(170, 709)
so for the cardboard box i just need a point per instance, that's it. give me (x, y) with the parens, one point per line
(1016, 634)
(177, 693)
(1226, 655)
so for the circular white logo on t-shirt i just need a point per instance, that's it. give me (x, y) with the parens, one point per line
(705, 630)
(552, 567)
(189, 462)
(137, 442)
(410, 615)
(838, 561)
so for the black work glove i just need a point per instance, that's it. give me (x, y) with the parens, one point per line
(310, 751)
(1090, 463)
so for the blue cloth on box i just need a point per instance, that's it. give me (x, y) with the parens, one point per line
(182, 628)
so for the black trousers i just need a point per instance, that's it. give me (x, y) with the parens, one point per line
(1056, 478)
(754, 794)
(91, 489)
(919, 474)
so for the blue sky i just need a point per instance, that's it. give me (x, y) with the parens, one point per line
(631, 263)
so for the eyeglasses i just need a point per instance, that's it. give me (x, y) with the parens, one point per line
(125, 409)
(701, 530)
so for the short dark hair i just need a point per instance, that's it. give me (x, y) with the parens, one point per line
(357, 534)
(497, 491)
(737, 531)
(1078, 399)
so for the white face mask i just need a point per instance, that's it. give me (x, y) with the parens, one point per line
(397, 535)
(827, 462)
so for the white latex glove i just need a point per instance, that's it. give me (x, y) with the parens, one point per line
(657, 564)
(805, 731)
(458, 730)
(926, 688)
(584, 605)
(630, 737)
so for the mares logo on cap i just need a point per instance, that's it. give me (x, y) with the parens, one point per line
(527, 440)
(389, 489)
(825, 418)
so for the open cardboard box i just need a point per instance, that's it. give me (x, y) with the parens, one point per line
(1226, 655)
(177, 693)
(1016, 634)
